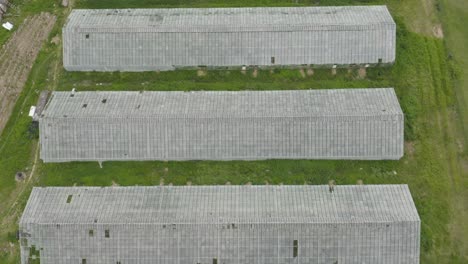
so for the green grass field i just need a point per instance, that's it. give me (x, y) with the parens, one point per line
(429, 78)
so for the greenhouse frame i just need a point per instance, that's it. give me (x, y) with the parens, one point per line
(359, 124)
(221, 225)
(166, 39)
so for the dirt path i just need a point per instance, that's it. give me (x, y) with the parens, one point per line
(17, 57)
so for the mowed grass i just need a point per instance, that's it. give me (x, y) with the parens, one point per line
(422, 76)
(454, 14)
(456, 36)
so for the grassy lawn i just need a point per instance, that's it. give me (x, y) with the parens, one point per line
(454, 15)
(430, 84)
(456, 35)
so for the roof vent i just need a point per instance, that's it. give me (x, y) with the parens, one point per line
(104, 101)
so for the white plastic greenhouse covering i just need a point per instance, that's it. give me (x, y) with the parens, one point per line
(164, 39)
(375, 224)
(243, 125)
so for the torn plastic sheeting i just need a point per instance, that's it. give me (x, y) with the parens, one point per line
(8, 26)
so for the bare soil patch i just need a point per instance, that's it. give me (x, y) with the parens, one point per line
(409, 148)
(201, 73)
(20, 176)
(17, 57)
(310, 71)
(255, 73)
(55, 40)
(302, 72)
(362, 73)
(437, 31)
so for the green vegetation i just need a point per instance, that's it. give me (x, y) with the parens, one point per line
(424, 76)
(456, 35)
(34, 256)
(454, 18)
(20, 9)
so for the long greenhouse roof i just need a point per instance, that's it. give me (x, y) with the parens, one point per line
(229, 19)
(220, 204)
(211, 104)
